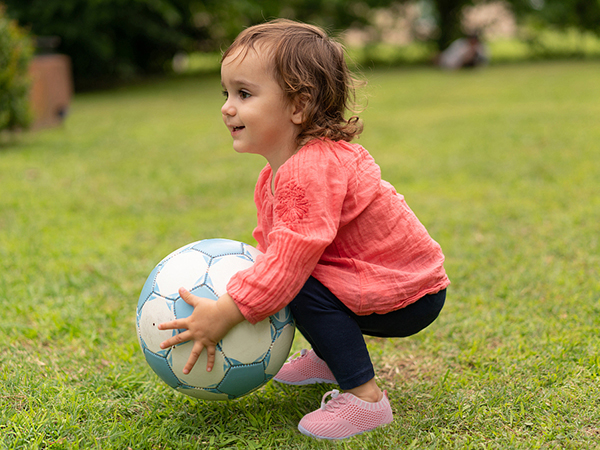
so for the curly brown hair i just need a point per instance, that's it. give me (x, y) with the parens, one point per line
(311, 68)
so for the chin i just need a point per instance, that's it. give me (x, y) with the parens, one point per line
(239, 149)
(244, 149)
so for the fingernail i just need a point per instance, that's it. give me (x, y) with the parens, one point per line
(185, 371)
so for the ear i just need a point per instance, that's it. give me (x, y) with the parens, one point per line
(299, 107)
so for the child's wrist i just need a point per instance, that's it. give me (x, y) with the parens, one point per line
(229, 309)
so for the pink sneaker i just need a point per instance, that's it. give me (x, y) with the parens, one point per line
(345, 415)
(307, 368)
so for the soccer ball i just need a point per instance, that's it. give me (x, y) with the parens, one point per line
(246, 358)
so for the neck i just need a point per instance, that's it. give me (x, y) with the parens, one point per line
(276, 161)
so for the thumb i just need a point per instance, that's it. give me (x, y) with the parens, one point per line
(186, 295)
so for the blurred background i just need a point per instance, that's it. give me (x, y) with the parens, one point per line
(61, 46)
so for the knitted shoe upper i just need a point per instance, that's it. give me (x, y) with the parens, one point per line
(344, 416)
(307, 368)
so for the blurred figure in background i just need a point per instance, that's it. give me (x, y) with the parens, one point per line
(464, 52)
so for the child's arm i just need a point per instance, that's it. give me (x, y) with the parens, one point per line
(206, 326)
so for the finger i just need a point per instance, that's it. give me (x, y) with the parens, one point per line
(210, 358)
(173, 325)
(177, 339)
(194, 355)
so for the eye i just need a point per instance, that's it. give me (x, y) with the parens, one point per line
(244, 95)
(225, 93)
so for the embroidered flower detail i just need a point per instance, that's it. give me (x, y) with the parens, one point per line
(292, 204)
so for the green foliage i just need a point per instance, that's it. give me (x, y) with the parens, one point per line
(501, 165)
(111, 38)
(15, 54)
(579, 14)
(122, 38)
(223, 23)
(540, 20)
(448, 14)
(583, 15)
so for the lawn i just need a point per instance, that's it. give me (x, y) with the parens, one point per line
(502, 166)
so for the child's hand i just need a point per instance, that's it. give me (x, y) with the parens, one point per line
(206, 326)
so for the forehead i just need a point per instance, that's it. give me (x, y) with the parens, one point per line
(248, 61)
(244, 57)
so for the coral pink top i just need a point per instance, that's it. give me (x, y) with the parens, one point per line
(333, 217)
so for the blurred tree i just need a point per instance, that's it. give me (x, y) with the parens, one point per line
(15, 53)
(122, 38)
(579, 14)
(448, 15)
(222, 20)
(111, 38)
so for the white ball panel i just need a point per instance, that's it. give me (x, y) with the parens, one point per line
(202, 394)
(248, 343)
(179, 250)
(222, 269)
(198, 376)
(183, 270)
(156, 310)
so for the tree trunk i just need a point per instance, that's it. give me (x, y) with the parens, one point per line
(449, 17)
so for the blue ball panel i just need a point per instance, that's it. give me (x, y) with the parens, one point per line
(160, 365)
(182, 309)
(147, 289)
(204, 291)
(242, 379)
(219, 247)
(282, 318)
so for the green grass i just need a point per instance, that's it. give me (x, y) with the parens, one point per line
(501, 165)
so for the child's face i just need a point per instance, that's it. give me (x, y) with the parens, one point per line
(261, 120)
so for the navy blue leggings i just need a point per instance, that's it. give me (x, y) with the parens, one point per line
(336, 333)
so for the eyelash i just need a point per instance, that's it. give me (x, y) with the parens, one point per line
(243, 94)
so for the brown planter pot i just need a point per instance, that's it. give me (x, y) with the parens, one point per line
(51, 89)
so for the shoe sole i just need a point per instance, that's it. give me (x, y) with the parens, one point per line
(305, 382)
(305, 432)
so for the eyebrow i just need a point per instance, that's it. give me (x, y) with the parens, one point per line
(241, 81)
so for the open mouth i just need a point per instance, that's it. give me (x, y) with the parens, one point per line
(234, 129)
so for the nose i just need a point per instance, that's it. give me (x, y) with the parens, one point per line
(228, 109)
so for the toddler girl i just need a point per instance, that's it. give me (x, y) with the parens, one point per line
(341, 247)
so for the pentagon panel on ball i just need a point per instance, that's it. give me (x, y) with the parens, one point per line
(247, 357)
